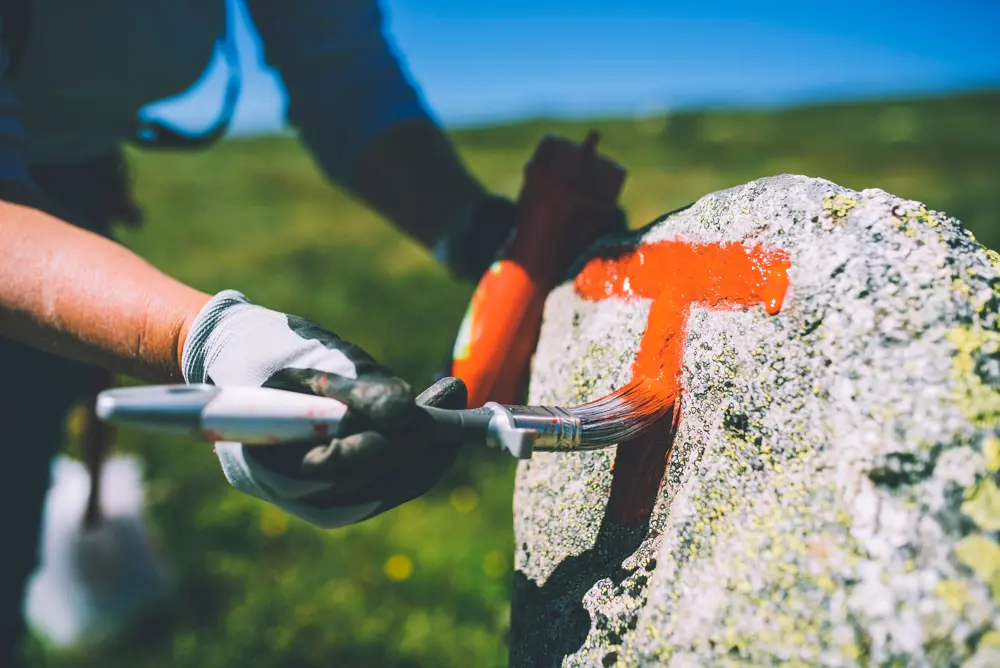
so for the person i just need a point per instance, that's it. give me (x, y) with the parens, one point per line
(74, 78)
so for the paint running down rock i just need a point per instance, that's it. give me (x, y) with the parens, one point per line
(831, 493)
(674, 275)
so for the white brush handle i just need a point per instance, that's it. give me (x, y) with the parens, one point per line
(262, 416)
(249, 415)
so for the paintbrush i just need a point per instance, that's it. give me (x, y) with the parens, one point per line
(263, 416)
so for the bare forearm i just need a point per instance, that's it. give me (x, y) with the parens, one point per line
(79, 295)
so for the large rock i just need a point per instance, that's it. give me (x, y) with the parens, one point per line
(831, 494)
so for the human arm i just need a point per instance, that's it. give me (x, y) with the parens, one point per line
(80, 295)
(71, 292)
(365, 124)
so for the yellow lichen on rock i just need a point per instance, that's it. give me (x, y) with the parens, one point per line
(982, 556)
(955, 593)
(983, 505)
(838, 205)
(991, 452)
(994, 258)
(979, 402)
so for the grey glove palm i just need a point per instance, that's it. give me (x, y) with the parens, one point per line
(378, 466)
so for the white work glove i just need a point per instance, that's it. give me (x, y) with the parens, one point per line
(234, 342)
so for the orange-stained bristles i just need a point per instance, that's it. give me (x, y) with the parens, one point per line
(624, 414)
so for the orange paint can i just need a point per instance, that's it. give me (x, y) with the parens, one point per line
(569, 199)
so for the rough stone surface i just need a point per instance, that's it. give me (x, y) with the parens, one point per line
(831, 496)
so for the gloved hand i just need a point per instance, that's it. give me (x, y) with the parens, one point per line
(474, 240)
(385, 464)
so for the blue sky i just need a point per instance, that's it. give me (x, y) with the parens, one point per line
(481, 61)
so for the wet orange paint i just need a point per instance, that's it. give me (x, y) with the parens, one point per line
(675, 275)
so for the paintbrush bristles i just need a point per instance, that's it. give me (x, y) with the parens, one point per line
(624, 414)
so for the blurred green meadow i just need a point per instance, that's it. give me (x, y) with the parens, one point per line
(428, 584)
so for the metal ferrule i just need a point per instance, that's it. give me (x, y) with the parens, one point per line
(554, 428)
(523, 429)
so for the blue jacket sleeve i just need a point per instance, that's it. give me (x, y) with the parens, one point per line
(344, 83)
(12, 135)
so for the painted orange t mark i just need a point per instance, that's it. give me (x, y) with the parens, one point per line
(675, 275)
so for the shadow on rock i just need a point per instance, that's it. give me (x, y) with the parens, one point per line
(549, 622)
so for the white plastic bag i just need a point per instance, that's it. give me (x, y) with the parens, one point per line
(91, 581)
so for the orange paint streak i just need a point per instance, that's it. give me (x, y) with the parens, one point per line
(675, 275)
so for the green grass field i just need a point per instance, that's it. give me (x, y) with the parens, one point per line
(428, 584)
